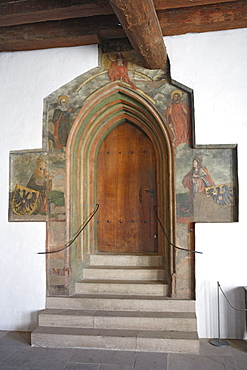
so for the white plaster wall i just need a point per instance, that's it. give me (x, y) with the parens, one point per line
(214, 66)
(25, 79)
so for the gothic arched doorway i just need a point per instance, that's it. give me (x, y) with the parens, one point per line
(106, 115)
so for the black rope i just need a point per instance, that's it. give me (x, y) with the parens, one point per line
(79, 231)
(237, 309)
(173, 245)
(82, 227)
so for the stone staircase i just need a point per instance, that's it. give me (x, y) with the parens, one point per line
(120, 304)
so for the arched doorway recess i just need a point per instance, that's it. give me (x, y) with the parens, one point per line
(104, 111)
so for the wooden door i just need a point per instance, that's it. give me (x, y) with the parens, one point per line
(126, 192)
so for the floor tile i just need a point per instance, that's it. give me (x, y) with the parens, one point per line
(5, 351)
(2, 333)
(238, 345)
(74, 366)
(241, 362)
(38, 358)
(206, 348)
(14, 338)
(240, 359)
(195, 362)
(17, 354)
(103, 357)
(147, 361)
(15, 368)
(115, 367)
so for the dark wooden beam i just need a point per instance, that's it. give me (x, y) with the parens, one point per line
(140, 23)
(22, 11)
(66, 33)
(90, 30)
(215, 17)
(171, 4)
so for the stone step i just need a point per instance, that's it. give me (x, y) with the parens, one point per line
(125, 273)
(120, 302)
(131, 340)
(127, 320)
(122, 287)
(125, 260)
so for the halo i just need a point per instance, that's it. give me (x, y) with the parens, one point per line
(179, 92)
(39, 161)
(62, 97)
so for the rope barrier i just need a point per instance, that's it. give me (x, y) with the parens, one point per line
(173, 245)
(237, 309)
(82, 227)
(220, 342)
(79, 231)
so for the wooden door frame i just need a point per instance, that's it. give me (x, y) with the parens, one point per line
(103, 111)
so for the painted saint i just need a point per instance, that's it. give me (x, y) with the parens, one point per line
(118, 70)
(198, 178)
(178, 119)
(41, 181)
(61, 121)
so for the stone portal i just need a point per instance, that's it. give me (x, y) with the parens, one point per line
(62, 182)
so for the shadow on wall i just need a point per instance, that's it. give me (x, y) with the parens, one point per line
(233, 306)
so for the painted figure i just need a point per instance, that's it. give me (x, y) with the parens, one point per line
(41, 181)
(178, 119)
(197, 179)
(118, 70)
(61, 121)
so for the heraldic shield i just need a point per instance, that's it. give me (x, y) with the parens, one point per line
(24, 201)
(222, 194)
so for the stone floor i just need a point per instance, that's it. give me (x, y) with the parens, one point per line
(16, 353)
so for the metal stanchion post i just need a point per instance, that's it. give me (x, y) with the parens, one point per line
(219, 342)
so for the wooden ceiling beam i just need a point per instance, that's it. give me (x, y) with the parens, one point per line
(22, 12)
(85, 31)
(171, 4)
(141, 25)
(65, 33)
(214, 17)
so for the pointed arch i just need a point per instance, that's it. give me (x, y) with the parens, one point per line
(102, 112)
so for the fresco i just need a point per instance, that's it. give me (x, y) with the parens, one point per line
(196, 170)
(35, 193)
(206, 185)
(62, 123)
(118, 69)
(205, 176)
(178, 119)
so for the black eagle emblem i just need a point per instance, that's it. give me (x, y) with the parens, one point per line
(222, 194)
(24, 200)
